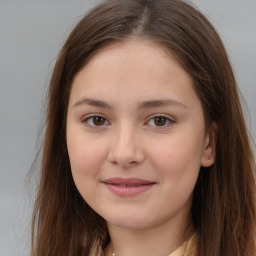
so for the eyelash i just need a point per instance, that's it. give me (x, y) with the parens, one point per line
(167, 121)
(87, 119)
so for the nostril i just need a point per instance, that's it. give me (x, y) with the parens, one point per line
(133, 163)
(125, 159)
(125, 150)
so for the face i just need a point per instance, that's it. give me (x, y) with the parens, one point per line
(136, 135)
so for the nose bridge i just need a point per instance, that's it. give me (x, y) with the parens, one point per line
(125, 149)
(125, 135)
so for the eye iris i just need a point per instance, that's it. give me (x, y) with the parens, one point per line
(160, 121)
(98, 120)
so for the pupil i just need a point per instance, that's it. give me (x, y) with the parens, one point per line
(98, 120)
(160, 121)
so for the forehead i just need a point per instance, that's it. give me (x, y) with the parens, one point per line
(139, 51)
(138, 68)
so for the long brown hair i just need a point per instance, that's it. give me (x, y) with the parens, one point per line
(223, 209)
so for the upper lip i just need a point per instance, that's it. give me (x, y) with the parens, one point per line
(129, 181)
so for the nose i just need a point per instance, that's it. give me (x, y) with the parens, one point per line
(126, 150)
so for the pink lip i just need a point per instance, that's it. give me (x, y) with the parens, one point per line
(128, 187)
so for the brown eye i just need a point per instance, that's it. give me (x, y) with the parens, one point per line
(95, 121)
(160, 120)
(98, 120)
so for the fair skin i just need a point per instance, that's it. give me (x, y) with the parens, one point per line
(136, 139)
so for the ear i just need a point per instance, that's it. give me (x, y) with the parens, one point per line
(209, 151)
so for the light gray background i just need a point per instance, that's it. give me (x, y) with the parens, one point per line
(31, 34)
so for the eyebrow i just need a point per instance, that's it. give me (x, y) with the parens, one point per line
(161, 103)
(142, 105)
(92, 102)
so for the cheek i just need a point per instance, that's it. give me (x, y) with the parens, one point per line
(178, 154)
(85, 158)
(85, 166)
(178, 160)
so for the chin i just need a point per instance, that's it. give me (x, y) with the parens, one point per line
(129, 224)
(128, 221)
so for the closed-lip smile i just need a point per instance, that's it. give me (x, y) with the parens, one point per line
(128, 187)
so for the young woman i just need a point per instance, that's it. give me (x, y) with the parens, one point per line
(146, 150)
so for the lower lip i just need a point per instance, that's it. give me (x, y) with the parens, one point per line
(128, 190)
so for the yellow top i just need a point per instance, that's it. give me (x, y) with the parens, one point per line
(188, 248)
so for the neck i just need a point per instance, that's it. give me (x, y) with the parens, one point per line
(161, 240)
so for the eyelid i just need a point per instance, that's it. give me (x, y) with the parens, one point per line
(170, 119)
(90, 116)
(85, 119)
(162, 115)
